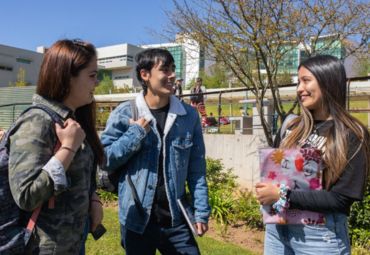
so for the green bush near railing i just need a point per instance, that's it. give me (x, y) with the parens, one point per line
(359, 222)
(229, 203)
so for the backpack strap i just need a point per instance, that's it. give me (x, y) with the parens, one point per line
(138, 205)
(54, 116)
(286, 121)
(32, 222)
(134, 110)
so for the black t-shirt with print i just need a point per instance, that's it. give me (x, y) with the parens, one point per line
(348, 188)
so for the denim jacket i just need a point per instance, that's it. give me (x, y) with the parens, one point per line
(135, 152)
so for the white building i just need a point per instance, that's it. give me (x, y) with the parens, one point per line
(118, 61)
(188, 55)
(15, 61)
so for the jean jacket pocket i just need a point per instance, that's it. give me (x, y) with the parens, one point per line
(182, 144)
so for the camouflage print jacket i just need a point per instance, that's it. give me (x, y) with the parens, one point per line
(59, 230)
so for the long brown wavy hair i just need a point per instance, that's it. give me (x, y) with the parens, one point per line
(62, 61)
(331, 77)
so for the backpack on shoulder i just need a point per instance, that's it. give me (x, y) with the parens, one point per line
(14, 234)
(109, 181)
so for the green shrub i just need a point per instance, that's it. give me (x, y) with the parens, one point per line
(359, 222)
(218, 178)
(228, 203)
(247, 209)
(107, 197)
(222, 184)
(222, 208)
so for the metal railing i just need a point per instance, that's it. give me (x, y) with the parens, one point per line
(9, 112)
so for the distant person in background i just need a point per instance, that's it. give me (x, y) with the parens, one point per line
(198, 97)
(197, 100)
(242, 111)
(211, 120)
(178, 88)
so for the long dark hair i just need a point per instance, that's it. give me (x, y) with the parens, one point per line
(62, 61)
(331, 77)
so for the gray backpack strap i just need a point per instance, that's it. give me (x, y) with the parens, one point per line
(286, 121)
(138, 205)
(134, 110)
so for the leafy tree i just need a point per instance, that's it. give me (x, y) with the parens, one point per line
(363, 67)
(21, 79)
(284, 78)
(124, 89)
(105, 85)
(217, 78)
(252, 37)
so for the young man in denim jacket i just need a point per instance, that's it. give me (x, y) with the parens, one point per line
(158, 153)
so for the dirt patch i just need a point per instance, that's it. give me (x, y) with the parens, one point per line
(240, 235)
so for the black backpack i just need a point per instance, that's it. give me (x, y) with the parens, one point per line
(14, 234)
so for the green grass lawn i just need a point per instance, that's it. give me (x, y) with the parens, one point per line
(109, 243)
(363, 117)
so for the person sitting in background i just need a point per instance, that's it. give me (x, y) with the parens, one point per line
(211, 120)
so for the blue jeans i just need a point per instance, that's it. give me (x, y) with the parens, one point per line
(331, 238)
(171, 240)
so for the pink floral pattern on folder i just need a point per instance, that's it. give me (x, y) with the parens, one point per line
(300, 169)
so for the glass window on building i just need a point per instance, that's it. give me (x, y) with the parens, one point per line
(201, 59)
(326, 46)
(24, 60)
(304, 55)
(178, 55)
(289, 61)
(6, 68)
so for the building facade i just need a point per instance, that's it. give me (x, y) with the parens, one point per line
(18, 66)
(324, 45)
(189, 57)
(118, 62)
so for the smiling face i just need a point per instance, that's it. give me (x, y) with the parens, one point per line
(82, 86)
(308, 90)
(160, 79)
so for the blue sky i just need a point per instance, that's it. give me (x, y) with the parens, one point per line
(30, 23)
